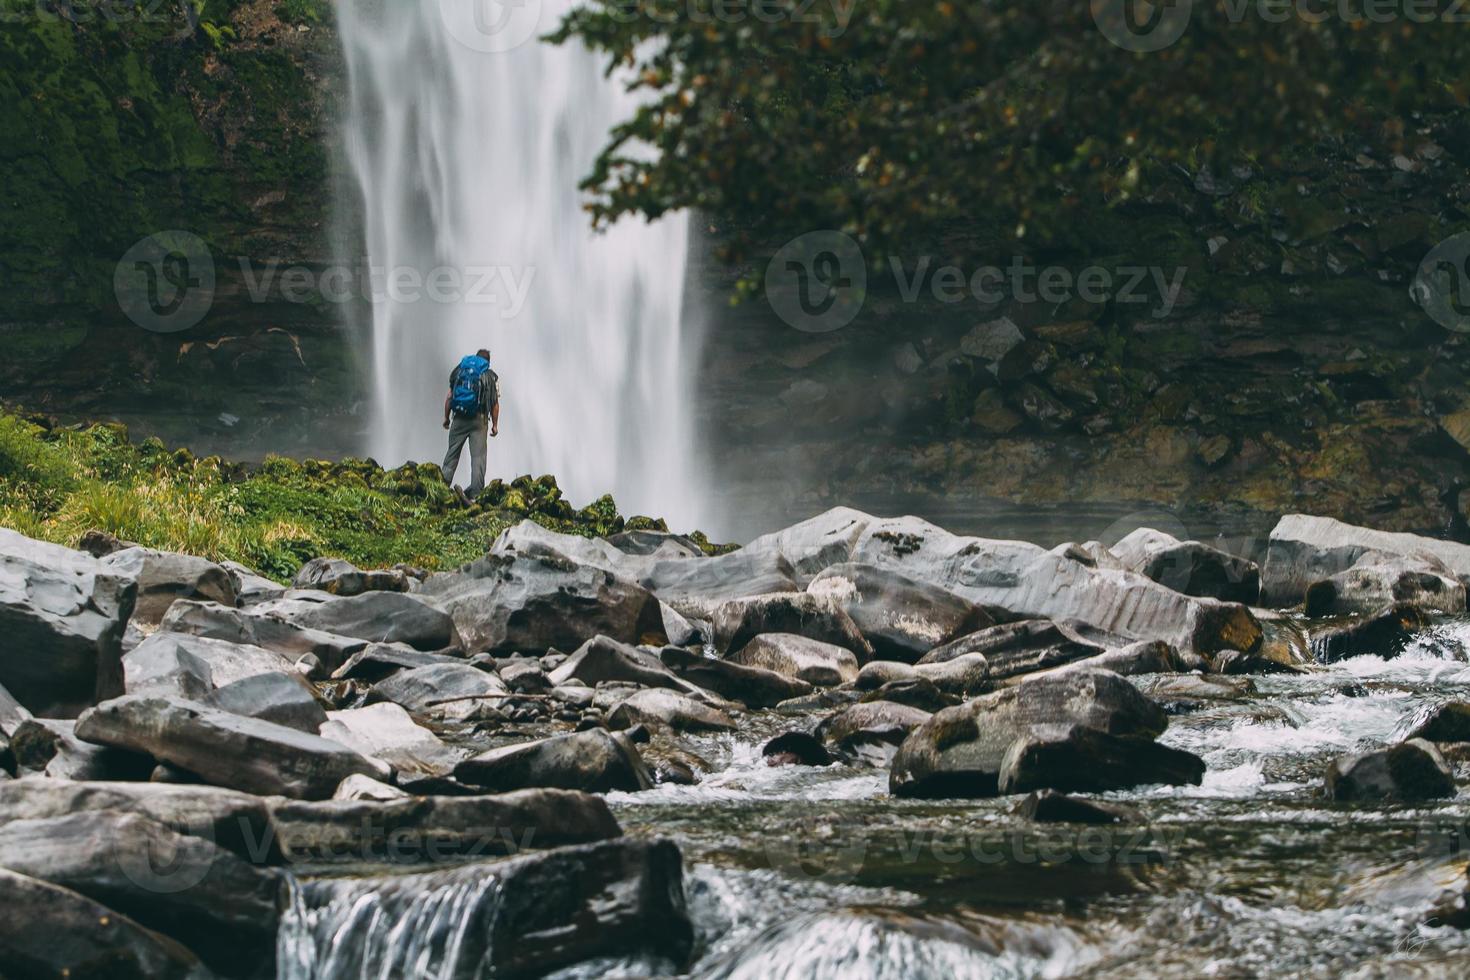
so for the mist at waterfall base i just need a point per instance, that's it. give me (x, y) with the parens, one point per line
(467, 161)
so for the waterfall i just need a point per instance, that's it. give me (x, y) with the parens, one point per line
(467, 136)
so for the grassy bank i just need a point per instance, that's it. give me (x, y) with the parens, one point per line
(56, 483)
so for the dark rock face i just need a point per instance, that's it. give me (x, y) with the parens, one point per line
(871, 722)
(1448, 722)
(342, 578)
(1049, 806)
(1017, 648)
(1189, 567)
(50, 747)
(380, 617)
(164, 576)
(447, 689)
(1380, 580)
(193, 666)
(521, 918)
(215, 622)
(1075, 730)
(739, 621)
(225, 749)
(531, 603)
(1305, 549)
(1410, 771)
(1383, 634)
(202, 895)
(282, 699)
(754, 687)
(48, 931)
(603, 658)
(655, 708)
(62, 617)
(796, 749)
(813, 661)
(594, 761)
(375, 662)
(902, 618)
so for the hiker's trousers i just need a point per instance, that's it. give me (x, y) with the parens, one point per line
(475, 431)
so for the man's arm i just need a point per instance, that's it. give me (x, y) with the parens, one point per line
(495, 419)
(447, 399)
(494, 386)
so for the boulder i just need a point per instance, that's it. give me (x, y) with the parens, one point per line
(531, 603)
(380, 617)
(250, 586)
(654, 708)
(419, 829)
(1304, 549)
(1143, 657)
(603, 659)
(225, 749)
(813, 545)
(964, 676)
(442, 690)
(796, 749)
(386, 732)
(900, 617)
(1037, 735)
(359, 789)
(1379, 580)
(1014, 649)
(182, 886)
(753, 687)
(524, 676)
(62, 617)
(213, 621)
(1190, 567)
(916, 692)
(593, 761)
(655, 544)
(817, 663)
(50, 747)
(524, 917)
(1382, 634)
(1411, 771)
(739, 621)
(696, 588)
(193, 666)
(164, 576)
(1049, 806)
(379, 660)
(880, 672)
(1178, 693)
(12, 713)
(48, 931)
(285, 699)
(871, 723)
(1448, 722)
(238, 822)
(342, 578)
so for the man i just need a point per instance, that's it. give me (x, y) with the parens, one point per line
(474, 404)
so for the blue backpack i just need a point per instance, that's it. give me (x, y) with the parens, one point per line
(466, 399)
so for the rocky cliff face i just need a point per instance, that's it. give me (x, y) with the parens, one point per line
(213, 123)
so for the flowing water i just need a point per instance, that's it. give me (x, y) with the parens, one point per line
(467, 138)
(799, 872)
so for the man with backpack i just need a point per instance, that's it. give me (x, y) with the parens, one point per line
(473, 403)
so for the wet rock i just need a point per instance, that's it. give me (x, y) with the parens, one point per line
(754, 687)
(193, 666)
(1190, 567)
(50, 747)
(796, 749)
(695, 588)
(524, 917)
(1378, 580)
(964, 676)
(813, 545)
(1410, 771)
(386, 732)
(916, 692)
(284, 699)
(1305, 549)
(1181, 692)
(654, 707)
(416, 829)
(654, 544)
(817, 663)
(524, 677)
(682, 631)
(594, 761)
(1235, 662)
(1143, 657)
(379, 617)
(1448, 722)
(213, 621)
(871, 723)
(880, 672)
(821, 700)
(1080, 730)
(1383, 634)
(1013, 649)
(225, 749)
(740, 621)
(62, 614)
(250, 586)
(1049, 806)
(442, 690)
(603, 659)
(363, 789)
(222, 907)
(54, 932)
(342, 578)
(902, 618)
(164, 576)
(530, 603)
(377, 661)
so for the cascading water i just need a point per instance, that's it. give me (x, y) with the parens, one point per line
(467, 136)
